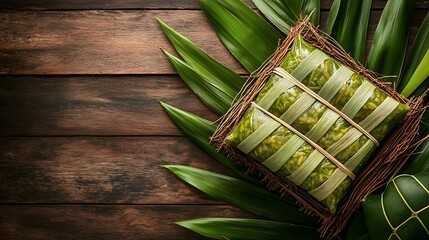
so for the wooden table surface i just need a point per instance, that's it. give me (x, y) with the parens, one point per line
(82, 134)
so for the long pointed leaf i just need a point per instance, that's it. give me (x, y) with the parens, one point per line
(420, 47)
(247, 229)
(391, 37)
(333, 15)
(199, 130)
(422, 89)
(247, 36)
(244, 195)
(282, 13)
(420, 161)
(356, 229)
(348, 24)
(419, 76)
(308, 6)
(217, 100)
(210, 70)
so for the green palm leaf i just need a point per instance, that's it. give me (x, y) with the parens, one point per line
(391, 37)
(422, 89)
(214, 83)
(419, 76)
(420, 48)
(333, 17)
(402, 211)
(247, 229)
(348, 24)
(282, 13)
(420, 161)
(247, 36)
(309, 6)
(216, 99)
(199, 130)
(356, 229)
(244, 195)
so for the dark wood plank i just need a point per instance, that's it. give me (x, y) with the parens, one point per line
(140, 4)
(94, 4)
(93, 105)
(100, 170)
(105, 42)
(105, 222)
(99, 42)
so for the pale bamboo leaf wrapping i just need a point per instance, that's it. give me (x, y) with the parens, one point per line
(360, 101)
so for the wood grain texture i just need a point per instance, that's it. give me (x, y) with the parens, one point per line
(140, 4)
(104, 222)
(99, 42)
(93, 105)
(92, 134)
(107, 42)
(100, 170)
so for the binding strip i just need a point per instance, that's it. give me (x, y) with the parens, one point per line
(359, 98)
(306, 168)
(283, 73)
(314, 59)
(309, 141)
(255, 138)
(326, 189)
(335, 83)
(282, 155)
(274, 92)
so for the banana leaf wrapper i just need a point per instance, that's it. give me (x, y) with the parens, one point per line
(318, 122)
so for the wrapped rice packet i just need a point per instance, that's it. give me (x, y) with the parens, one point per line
(316, 122)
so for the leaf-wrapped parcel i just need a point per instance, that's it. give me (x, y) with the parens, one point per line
(359, 102)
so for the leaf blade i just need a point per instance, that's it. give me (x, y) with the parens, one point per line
(244, 195)
(348, 24)
(420, 46)
(388, 48)
(309, 6)
(282, 13)
(202, 64)
(247, 36)
(212, 96)
(420, 74)
(247, 229)
(199, 130)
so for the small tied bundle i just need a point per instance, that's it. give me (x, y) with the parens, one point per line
(310, 122)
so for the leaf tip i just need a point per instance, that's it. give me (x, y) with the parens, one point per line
(167, 166)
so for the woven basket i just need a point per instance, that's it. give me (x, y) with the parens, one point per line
(389, 157)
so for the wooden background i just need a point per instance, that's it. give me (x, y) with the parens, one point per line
(82, 133)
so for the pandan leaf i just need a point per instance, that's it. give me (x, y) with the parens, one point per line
(212, 81)
(282, 13)
(356, 229)
(420, 161)
(247, 35)
(419, 76)
(332, 17)
(422, 89)
(214, 98)
(241, 194)
(420, 48)
(348, 24)
(247, 229)
(401, 211)
(390, 39)
(199, 130)
(311, 5)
